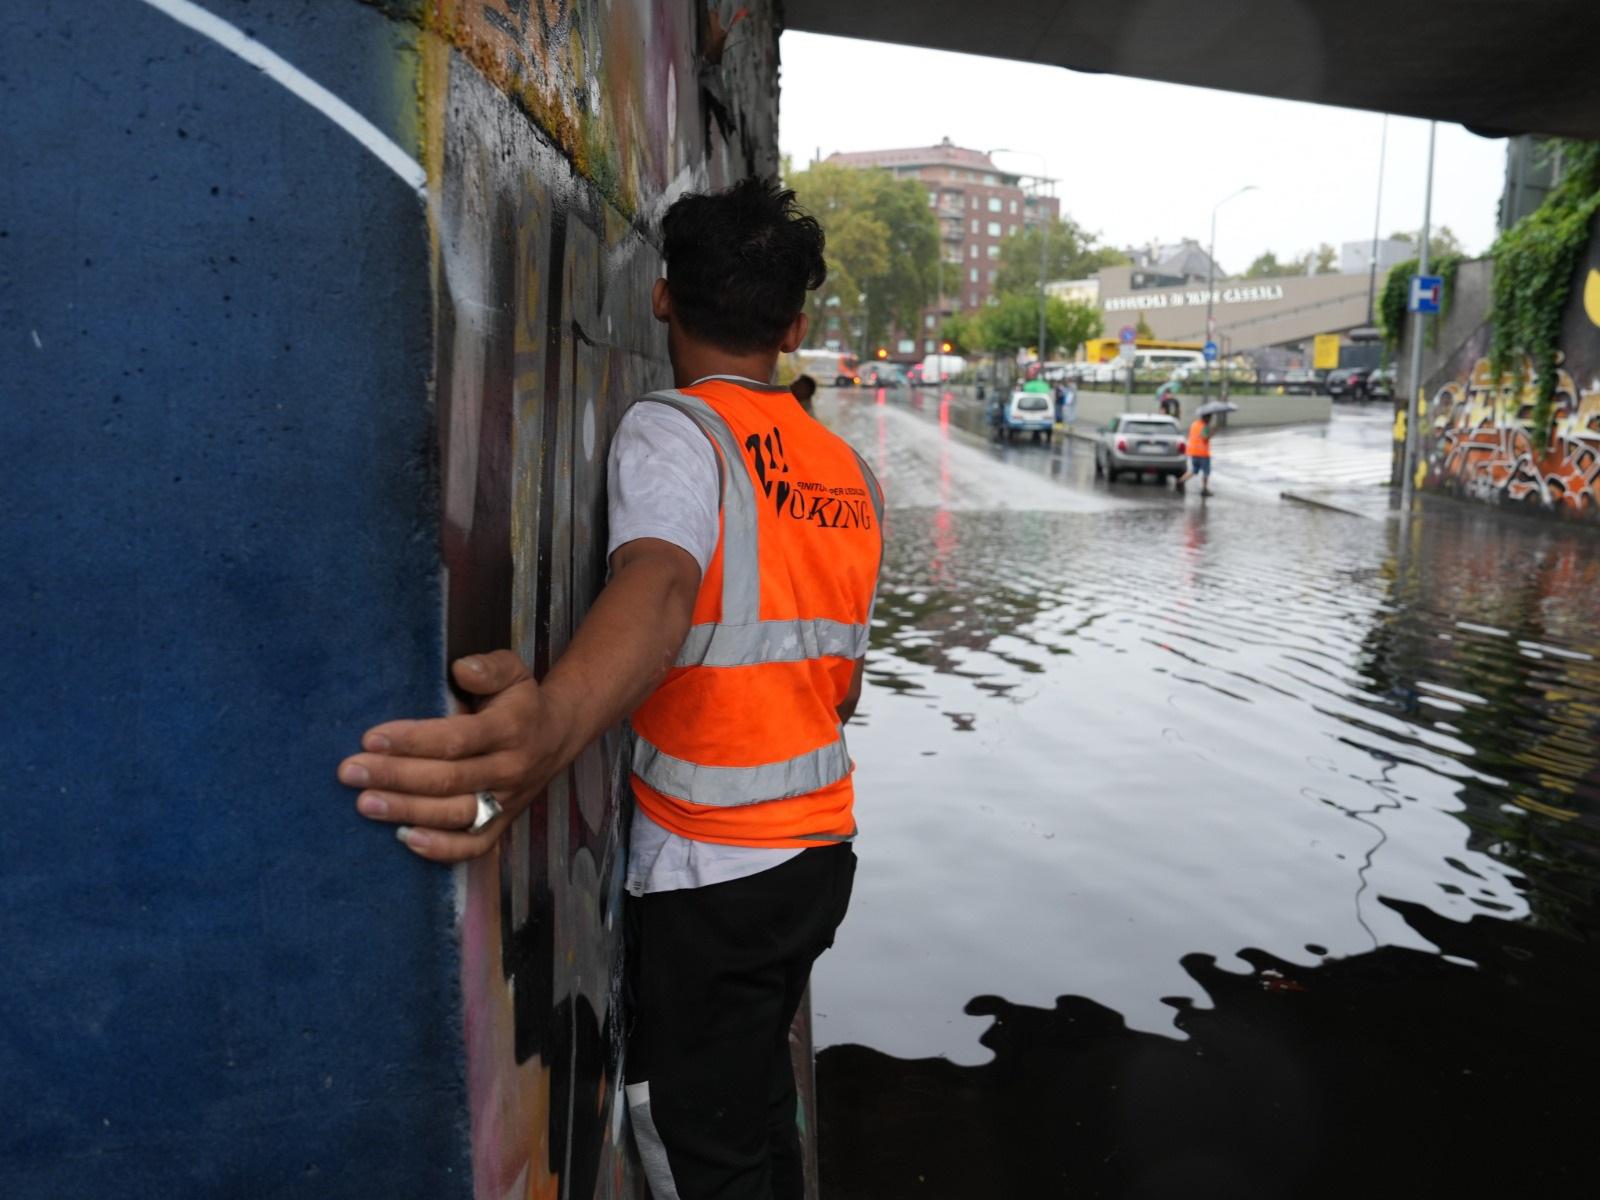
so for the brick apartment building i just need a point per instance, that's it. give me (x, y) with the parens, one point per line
(978, 205)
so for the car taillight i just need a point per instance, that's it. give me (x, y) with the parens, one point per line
(1122, 444)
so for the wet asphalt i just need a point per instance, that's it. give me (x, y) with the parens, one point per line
(1211, 847)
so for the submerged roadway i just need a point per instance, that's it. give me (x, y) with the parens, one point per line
(1203, 838)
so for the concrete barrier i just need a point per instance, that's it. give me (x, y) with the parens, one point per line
(1097, 408)
(316, 320)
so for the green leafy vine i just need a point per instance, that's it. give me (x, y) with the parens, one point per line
(1534, 264)
(1392, 300)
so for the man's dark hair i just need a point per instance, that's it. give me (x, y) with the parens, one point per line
(740, 262)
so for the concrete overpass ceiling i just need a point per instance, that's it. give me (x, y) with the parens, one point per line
(1494, 66)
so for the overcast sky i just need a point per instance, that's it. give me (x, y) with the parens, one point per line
(1130, 154)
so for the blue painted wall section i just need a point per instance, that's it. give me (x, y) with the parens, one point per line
(221, 559)
(282, 433)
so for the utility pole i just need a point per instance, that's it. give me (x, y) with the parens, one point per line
(1042, 178)
(1211, 276)
(1377, 218)
(1044, 242)
(1418, 322)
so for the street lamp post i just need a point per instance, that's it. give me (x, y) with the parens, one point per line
(1413, 400)
(1377, 218)
(1044, 233)
(1211, 274)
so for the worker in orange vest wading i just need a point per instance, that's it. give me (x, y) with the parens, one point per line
(745, 543)
(1199, 451)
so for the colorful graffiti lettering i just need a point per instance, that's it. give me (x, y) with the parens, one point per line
(1481, 441)
(552, 144)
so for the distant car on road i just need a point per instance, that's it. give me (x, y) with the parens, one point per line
(1380, 384)
(1347, 382)
(1024, 412)
(884, 375)
(1303, 381)
(1139, 444)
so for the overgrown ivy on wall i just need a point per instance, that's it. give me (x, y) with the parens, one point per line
(1534, 264)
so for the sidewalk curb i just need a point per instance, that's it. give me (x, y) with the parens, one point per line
(1311, 502)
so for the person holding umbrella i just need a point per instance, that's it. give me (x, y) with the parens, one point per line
(1199, 446)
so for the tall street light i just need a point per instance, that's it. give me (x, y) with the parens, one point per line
(1211, 274)
(1044, 233)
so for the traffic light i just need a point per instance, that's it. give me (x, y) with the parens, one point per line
(944, 348)
(882, 353)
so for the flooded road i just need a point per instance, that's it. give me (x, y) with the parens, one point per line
(1227, 848)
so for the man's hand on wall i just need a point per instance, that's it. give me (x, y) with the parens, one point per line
(424, 776)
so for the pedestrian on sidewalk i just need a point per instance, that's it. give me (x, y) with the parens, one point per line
(1167, 401)
(745, 542)
(1199, 450)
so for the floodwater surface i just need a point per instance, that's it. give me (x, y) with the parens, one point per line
(1223, 848)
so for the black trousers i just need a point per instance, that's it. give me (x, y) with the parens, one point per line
(716, 974)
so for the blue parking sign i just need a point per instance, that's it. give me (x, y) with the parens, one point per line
(1210, 351)
(1427, 291)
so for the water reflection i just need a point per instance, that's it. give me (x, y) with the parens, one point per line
(1180, 762)
(1389, 1073)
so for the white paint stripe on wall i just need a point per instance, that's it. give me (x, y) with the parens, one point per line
(281, 71)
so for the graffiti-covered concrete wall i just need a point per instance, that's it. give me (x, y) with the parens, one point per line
(315, 319)
(1479, 436)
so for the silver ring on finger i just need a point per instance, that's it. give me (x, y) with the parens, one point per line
(488, 809)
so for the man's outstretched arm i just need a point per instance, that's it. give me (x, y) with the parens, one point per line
(423, 776)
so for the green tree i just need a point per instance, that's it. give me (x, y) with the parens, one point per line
(1013, 324)
(1266, 266)
(964, 332)
(1442, 242)
(1321, 261)
(1070, 253)
(883, 248)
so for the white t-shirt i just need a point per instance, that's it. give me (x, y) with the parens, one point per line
(663, 483)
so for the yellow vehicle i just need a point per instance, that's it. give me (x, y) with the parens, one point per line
(1100, 350)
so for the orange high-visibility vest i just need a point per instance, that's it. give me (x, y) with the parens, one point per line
(741, 744)
(1199, 443)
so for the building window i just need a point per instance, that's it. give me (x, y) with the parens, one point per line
(992, 251)
(994, 228)
(930, 345)
(972, 251)
(906, 346)
(1013, 208)
(974, 224)
(994, 203)
(972, 275)
(927, 321)
(973, 201)
(932, 199)
(993, 275)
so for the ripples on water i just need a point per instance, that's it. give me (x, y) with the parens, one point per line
(1173, 766)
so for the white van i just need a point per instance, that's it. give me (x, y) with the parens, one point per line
(942, 368)
(1167, 360)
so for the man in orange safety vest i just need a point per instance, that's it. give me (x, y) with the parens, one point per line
(745, 545)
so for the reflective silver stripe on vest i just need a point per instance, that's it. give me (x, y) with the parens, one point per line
(741, 549)
(723, 645)
(729, 787)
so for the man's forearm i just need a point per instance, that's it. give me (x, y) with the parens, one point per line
(625, 645)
